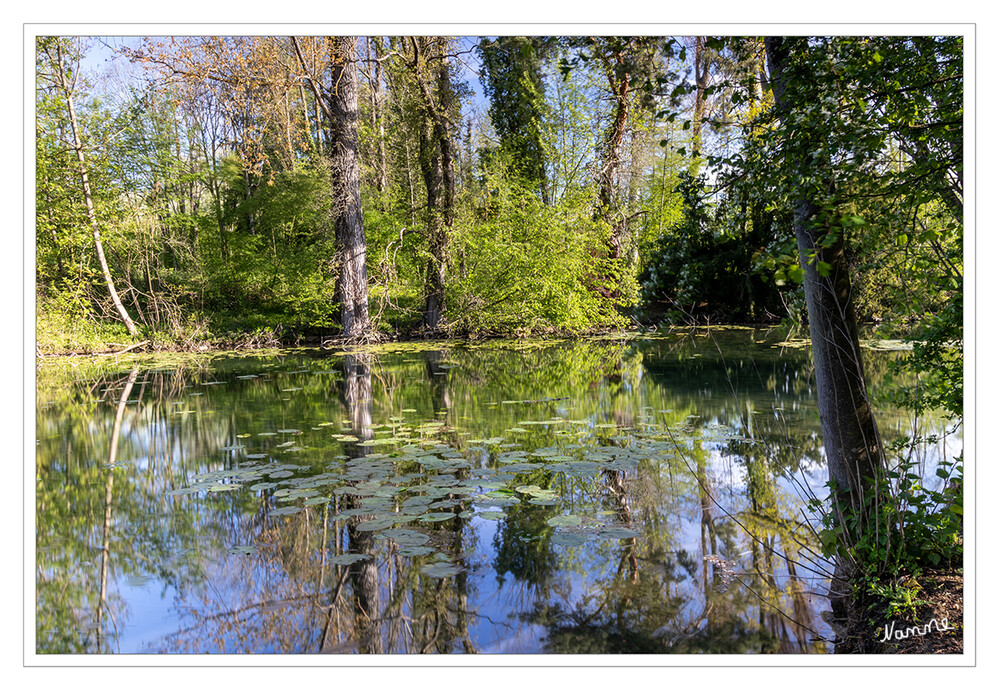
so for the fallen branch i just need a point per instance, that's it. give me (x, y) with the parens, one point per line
(127, 349)
(39, 353)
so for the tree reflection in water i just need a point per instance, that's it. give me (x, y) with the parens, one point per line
(240, 487)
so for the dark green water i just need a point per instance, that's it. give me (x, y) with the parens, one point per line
(588, 497)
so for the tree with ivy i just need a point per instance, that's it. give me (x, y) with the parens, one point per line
(512, 80)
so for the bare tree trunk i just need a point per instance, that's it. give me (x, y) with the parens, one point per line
(437, 238)
(345, 160)
(378, 112)
(89, 200)
(620, 86)
(701, 84)
(341, 109)
(363, 574)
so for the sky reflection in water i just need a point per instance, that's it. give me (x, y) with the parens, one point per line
(592, 496)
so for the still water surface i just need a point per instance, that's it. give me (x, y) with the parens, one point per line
(638, 496)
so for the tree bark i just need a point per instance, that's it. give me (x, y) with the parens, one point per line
(701, 84)
(89, 200)
(340, 106)
(363, 574)
(345, 162)
(108, 489)
(620, 85)
(850, 434)
(377, 112)
(437, 165)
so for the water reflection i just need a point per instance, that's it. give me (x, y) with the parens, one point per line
(589, 497)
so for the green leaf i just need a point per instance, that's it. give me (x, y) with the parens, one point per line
(440, 570)
(349, 558)
(565, 521)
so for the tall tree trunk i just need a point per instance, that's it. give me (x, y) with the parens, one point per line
(345, 161)
(108, 493)
(849, 431)
(437, 165)
(437, 234)
(700, 84)
(620, 85)
(363, 574)
(340, 106)
(89, 200)
(378, 112)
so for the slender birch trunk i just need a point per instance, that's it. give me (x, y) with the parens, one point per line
(89, 200)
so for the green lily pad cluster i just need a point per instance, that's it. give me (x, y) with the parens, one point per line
(418, 482)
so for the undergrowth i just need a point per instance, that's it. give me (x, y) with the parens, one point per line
(902, 530)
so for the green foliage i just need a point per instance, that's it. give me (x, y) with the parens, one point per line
(518, 273)
(711, 265)
(901, 528)
(65, 322)
(512, 81)
(870, 135)
(203, 241)
(282, 266)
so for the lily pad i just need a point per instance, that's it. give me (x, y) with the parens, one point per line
(565, 521)
(349, 558)
(406, 537)
(568, 539)
(436, 517)
(491, 515)
(440, 569)
(415, 551)
(375, 524)
(224, 487)
(518, 467)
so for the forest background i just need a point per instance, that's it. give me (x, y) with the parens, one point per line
(105, 331)
(504, 186)
(218, 191)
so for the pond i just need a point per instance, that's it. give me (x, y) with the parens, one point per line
(596, 496)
